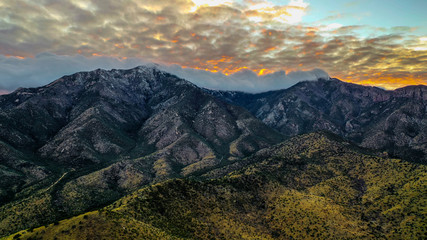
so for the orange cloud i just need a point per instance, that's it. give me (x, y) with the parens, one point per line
(15, 56)
(270, 49)
(385, 80)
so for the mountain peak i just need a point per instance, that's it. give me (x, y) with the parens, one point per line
(373, 117)
(115, 105)
(416, 91)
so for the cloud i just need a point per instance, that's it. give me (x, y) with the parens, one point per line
(245, 80)
(46, 67)
(224, 37)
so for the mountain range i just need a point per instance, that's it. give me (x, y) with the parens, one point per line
(391, 121)
(321, 151)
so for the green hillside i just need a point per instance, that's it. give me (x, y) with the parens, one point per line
(313, 186)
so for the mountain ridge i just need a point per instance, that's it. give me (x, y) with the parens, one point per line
(91, 138)
(366, 115)
(111, 132)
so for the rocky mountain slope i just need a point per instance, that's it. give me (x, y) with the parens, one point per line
(82, 118)
(101, 134)
(91, 138)
(314, 186)
(393, 121)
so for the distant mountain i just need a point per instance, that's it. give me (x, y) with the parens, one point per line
(393, 121)
(314, 186)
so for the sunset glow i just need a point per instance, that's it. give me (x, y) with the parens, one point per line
(350, 41)
(209, 3)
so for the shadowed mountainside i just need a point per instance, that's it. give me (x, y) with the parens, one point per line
(392, 121)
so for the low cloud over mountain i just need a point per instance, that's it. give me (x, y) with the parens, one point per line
(46, 67)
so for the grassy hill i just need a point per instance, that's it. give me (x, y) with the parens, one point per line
(313, 186)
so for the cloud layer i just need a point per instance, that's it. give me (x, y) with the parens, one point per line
(45, 68)
(223, 36)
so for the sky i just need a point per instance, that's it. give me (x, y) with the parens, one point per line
(247, 45)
